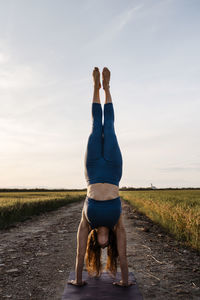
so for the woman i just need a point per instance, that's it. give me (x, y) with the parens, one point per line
(101, 223)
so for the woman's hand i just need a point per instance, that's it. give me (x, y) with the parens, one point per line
(74, 282)
(120, 283)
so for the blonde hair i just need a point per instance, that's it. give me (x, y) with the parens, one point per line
(93, 254)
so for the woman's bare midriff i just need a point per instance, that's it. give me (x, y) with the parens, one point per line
(102, 191)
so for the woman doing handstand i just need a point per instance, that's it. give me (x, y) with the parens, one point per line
(101, 224)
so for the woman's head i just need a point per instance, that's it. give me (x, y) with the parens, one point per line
(100, 238)
(103, 236)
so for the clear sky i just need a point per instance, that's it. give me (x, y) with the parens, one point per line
(48, 50)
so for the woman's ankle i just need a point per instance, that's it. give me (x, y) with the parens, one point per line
(107, 89)
(96, 88)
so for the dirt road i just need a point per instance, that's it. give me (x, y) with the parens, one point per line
(37, 255)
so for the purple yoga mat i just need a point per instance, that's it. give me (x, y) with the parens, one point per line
(101, 288)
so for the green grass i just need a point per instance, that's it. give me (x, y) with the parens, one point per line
(178, 211)
(18, 206)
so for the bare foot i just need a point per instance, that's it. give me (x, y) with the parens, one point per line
(96, 78)
(106, 78)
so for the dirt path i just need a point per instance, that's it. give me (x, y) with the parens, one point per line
(37, 255)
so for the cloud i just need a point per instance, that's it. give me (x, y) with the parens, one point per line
(123, 19)
(18, 76)
(117, 24)
(191, 167)
(180, 169)
(4, 58)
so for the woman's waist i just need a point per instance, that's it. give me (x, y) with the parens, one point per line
(108, 203)
(102, 191)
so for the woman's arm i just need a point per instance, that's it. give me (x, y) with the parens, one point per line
(82, 236)
(121, 247)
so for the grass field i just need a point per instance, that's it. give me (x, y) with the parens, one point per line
(178, 211)
(18, 206)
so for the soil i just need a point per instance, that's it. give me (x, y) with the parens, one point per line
(37, 255)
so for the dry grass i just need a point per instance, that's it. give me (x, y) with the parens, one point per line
(18, 206)
(178, 211)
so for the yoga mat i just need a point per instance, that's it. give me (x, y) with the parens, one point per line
(101, 288)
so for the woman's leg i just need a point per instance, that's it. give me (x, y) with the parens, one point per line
(94, 145)
(111, 147)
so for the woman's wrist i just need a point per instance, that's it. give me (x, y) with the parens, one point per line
(78, 283)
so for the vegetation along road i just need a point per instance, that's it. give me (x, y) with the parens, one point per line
(36, 255)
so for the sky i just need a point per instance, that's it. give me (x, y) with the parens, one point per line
(48, 50)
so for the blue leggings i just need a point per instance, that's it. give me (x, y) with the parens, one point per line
(103, 159)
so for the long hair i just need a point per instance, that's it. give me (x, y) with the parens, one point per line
(112, 253)
(93, 254)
